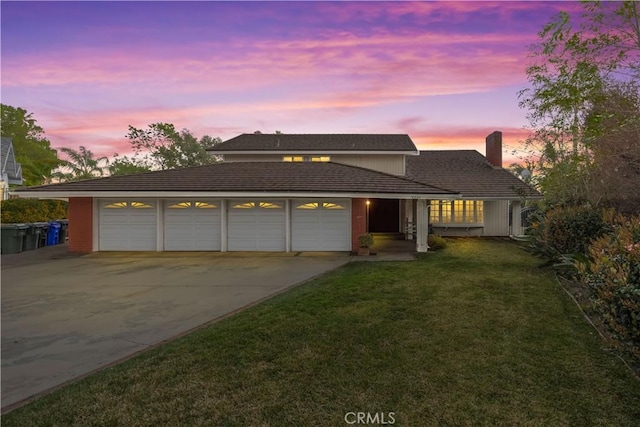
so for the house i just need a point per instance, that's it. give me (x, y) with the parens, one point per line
(11, 170)
(284, 192)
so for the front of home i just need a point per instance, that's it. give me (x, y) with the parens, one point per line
(283, 192)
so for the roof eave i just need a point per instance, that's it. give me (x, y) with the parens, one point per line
(232, 194)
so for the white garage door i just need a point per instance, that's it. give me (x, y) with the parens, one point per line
(321, 225)
(192, 225)
(128, 225)
(256, 225)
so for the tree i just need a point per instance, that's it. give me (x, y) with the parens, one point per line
(573, 70)
(166, 148)
(126, 166)
(81, 164)
(32, 150)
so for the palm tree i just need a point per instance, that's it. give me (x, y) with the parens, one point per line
(81, 164)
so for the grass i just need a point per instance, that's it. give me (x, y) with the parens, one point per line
(475, 334)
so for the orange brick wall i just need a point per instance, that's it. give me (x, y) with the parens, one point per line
(358, 221)
(81, 225)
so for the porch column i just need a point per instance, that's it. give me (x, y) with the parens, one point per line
(516, 218)
(422, 225)
(408, 212)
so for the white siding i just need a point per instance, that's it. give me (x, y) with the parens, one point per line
(496, 218)
(388, 163)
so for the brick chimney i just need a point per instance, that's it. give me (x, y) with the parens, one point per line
(494, 149)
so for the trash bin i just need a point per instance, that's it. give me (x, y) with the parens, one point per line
(64, 226)
(13, 238)
(44, 229)
(54, 233)
(31, 237)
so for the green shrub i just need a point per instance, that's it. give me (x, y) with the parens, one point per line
(436, 242)
(613, 276)
(566, 231)
(32, 210)
(365, 240)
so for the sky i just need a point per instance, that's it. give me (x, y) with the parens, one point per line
(446, 73)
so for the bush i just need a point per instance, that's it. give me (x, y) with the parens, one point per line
(436, 242)
(32, 210)
(564, 231)
(365, 240)
(613, 276)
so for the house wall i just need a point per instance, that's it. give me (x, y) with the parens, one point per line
(358, 221)
(496, 218)
(81, 225)
(388, 163)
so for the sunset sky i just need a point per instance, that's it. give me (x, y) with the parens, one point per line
(446, 73)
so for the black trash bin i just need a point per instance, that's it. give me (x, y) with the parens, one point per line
(64, 227)
(31, 237)
(44, 230)
(13, 238)
(54, 233)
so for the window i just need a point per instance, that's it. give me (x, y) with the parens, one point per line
(312, 205)
(269, 205)
(181, 205)
(329, 205)
(456, 212)
(204, 205)
(293, 159)
(135, 205)
(116, 205)
(320, 158)
(247, 205)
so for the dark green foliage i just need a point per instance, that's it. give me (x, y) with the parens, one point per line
(436, 242)
(32, 210)
(612, 274)
(32, 149)
(566, 231)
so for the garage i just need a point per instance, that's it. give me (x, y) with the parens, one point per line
(192, 225)
(128, 225)
(256, 225)
(321, 225)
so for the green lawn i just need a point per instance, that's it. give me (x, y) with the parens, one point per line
(476, 334)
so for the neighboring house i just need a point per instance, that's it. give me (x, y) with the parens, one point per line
(11, 170)
(282, 192)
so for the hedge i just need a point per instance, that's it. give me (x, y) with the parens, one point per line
(32, 210)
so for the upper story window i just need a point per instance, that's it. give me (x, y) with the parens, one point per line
(293, 159)
(320, 158)
(306, 158)
(456, 212)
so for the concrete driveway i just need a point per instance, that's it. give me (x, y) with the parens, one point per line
(63, 318)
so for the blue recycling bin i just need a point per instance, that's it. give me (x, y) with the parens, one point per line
(53, 236)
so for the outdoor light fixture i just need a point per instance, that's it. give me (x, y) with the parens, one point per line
(368, 202)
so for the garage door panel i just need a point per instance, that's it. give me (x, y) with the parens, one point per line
(125, 226)
(321, 225)
(192, 225)
(256, 225)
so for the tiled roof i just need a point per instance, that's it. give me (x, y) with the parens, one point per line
(317, 142)
(253, 176)
(467, 172)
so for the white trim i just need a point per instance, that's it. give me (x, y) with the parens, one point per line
(96, 224)
(316, 152)
(159, 225)
(287, 225)
(239, 194)
(223, 226)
